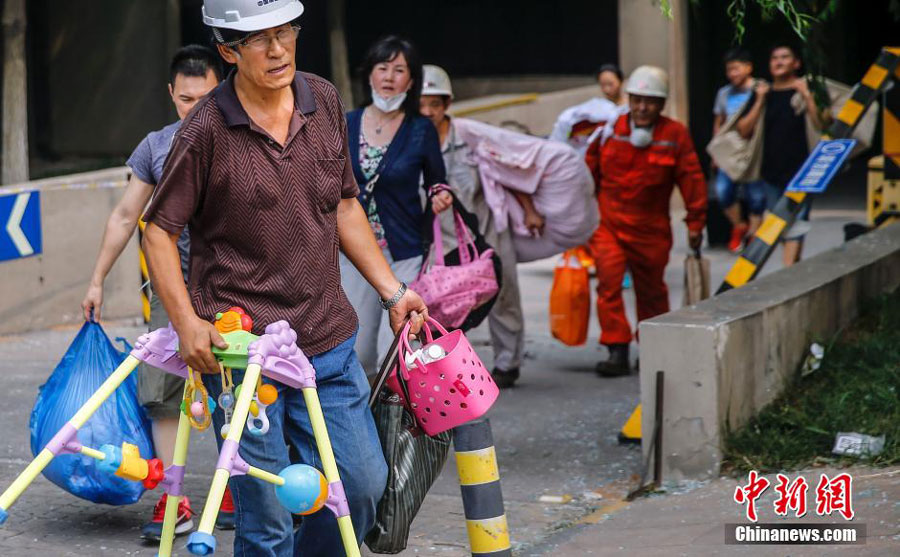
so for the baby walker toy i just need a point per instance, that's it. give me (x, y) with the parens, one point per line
(300, 488)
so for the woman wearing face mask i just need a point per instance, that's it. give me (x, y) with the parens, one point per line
(395, 151)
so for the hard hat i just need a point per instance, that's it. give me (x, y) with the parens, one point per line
(648, 81)
(250, 15)
(436, 81)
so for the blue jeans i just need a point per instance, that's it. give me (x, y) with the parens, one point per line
(263, 528)
(801, 225)
(754, 192)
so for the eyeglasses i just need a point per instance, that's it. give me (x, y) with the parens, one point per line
(260, 42)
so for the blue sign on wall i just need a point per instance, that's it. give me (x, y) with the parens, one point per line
(20, 225)
(821, 165)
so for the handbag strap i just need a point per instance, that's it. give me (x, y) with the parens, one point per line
(464, 241)
(389, 363)
(437, 244)
(429, 337)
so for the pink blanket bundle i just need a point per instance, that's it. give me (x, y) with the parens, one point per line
(552, 172)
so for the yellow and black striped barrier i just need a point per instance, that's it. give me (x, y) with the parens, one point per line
(883, 203)
(891, 126)
(785, 211)
(145, 273)
(479, 480)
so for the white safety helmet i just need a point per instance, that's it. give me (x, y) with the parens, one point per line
(435, 81)
(250, 15)
(648, 81)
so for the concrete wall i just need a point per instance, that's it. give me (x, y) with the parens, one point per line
(646, 36)
(46, 289)
(99, 61)
(537, 112)
(727, 357)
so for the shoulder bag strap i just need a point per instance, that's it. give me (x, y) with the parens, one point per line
(389, 363)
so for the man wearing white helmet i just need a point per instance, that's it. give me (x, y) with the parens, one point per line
(642, 156)
(505, 320)
(260, 169)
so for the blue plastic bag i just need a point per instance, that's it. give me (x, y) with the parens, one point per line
(89, 361)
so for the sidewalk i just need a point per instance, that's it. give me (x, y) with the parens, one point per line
(693, 523)
(555, 434)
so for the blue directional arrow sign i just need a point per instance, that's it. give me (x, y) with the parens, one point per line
(20, 225)
(821, 165)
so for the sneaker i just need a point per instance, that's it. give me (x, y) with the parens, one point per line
(505, 378)
(153, 529)
(225, 518)
(738, 233)
(617, 363)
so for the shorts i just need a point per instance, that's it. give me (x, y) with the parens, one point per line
(801, 225)
(160, 393)
(754, 193)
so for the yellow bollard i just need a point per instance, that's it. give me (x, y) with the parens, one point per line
(479, 481)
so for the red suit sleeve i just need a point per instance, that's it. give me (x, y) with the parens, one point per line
(592, 159)
(691, 183)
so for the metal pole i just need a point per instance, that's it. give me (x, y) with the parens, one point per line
(657, 429)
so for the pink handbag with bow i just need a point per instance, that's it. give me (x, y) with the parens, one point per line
(452, 292)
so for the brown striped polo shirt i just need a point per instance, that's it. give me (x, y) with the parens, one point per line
(263, 217)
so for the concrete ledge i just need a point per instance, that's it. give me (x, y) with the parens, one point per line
(538, 113)
(47, 289)
(729, 356)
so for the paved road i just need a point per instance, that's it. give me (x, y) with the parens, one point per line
(555, 434)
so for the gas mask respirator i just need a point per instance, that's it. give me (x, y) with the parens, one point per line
(641, 137)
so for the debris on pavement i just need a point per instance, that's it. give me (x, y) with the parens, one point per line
(858, 444)
(813, 360)
(558, 499)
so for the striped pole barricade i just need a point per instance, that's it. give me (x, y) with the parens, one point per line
(145, 274)
(479, 481)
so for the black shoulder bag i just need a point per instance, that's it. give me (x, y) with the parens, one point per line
(414, 461)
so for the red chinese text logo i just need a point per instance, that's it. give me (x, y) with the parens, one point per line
(834, 495)
(791, 496)
(749, 493)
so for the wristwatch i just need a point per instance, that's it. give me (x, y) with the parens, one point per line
(388, 304)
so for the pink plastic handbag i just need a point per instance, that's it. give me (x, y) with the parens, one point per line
(451, 292)
(447, 392)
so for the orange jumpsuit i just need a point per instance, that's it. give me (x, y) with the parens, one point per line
(635, 186)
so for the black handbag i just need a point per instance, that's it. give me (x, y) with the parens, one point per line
(414, 461)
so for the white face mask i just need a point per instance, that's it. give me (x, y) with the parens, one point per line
(389, 104)
(641, 137)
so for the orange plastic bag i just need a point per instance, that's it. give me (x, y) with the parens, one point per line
(570, 300)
